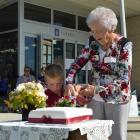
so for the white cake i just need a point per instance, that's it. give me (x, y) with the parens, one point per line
(61, 115)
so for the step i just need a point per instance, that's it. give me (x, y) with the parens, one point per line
(133, 128)
(134, 124)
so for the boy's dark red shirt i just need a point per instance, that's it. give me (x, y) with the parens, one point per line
(53, 97)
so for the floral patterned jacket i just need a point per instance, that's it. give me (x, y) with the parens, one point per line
(111, 76)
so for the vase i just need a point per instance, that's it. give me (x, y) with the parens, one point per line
(25, 112)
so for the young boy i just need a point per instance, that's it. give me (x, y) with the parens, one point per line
(54, 77)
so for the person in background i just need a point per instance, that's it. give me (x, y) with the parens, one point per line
(111, 57)
(4, 90)
(41, 77)
(3, 86)
(26, 77)
(54, 77)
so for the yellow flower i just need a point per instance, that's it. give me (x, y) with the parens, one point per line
(25, 94)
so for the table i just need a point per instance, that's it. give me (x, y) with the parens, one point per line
(94, 130)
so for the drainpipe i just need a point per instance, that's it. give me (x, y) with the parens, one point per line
(122, 18)
(21, 50)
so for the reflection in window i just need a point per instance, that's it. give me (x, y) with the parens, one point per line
(58, 51)
(9, 17)
(82, 24)
(37, 13)
(64, 19)
(30, 52)
(47, 51)
(81, 77)
(8, 58)
(70, 50)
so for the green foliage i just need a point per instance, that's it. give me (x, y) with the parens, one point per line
(66, 101)
(25, 94)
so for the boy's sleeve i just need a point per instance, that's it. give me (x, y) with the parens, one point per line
(119, 90)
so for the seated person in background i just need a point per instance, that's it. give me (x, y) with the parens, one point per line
(3, 86)
(26, 77)
(54, 77)
(41, 76)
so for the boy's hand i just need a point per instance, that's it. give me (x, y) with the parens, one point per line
(72, 90)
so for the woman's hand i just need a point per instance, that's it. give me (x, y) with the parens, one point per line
(87, 90)
(83, 93)
(72, 90)
(82, 100)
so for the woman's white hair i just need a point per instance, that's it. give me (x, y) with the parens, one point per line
(105, 16)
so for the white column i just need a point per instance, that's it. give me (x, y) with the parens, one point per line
(122, 18)
(21, 48)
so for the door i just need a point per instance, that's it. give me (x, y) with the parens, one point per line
(46, 52)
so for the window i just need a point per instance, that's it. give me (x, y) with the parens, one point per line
(37, 13)
(8, 58)
(64, 19)
(82, 24)
(79, 48)
(58, 52)
(81, 77)
(9, 18)
(46, 52)
(70, 50)
(31, 52)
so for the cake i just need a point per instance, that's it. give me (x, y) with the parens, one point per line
(60, 115)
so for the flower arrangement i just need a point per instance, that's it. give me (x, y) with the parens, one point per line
(26, 94)
(67, 101)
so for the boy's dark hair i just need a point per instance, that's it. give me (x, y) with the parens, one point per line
(54, 70)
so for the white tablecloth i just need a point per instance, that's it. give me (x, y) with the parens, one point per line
(95, 130)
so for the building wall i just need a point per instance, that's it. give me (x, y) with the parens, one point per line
(133, 32)
(49, 30)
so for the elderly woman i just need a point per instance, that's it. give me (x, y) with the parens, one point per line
(111, 57)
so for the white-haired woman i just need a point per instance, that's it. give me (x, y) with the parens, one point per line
(111, 57)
